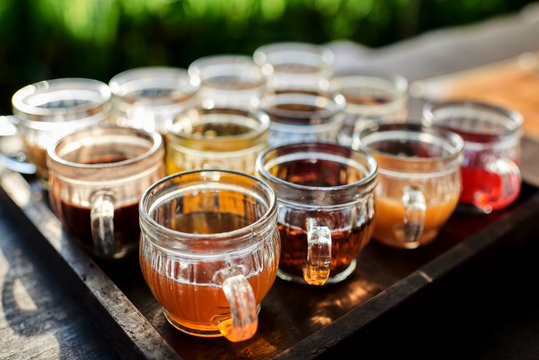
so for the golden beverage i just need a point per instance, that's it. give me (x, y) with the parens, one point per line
(388, 221)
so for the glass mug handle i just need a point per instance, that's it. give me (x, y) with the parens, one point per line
(414, 213)
(243, 308)
(102, 221)
(509, 172)
(317, 269)
(360, 124)
(10, 156)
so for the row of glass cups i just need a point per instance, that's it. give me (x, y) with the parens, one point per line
(315, 184)
(312, 206)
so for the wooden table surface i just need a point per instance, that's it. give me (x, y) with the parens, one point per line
(497, 318)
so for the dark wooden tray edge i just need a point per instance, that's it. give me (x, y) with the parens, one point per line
(509, 227)
(121, 323)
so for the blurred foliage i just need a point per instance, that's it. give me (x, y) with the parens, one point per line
(44, 39)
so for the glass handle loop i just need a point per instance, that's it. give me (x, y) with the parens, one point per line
(510, 178)
(239, 294)
(11, 155)
(360, 124)
(317, 269)
(415, 207)
(102, 222)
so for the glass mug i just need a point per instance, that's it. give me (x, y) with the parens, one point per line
(301, 65)
(147, 97)
(418, 181)
(49, 109)
(370, 98)
(303, 116)
(198, 254)
(97, 177)
(223, 138)
(326, 208)
(228, 80)
(491, 176)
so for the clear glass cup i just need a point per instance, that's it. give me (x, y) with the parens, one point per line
(418, 181)
(301, 65)
(221, 138)
(228, 81)
(97, 177)
(371, 98)
(325, 193)
(147, 97)
(303, 116)
(49, 109)
(198, 254)
(491, 176)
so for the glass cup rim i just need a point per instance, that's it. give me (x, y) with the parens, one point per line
(451, 137)
(271, 99)
(196, 67)
(144, 73)
(99, 87)
(155, 137)
(255, 133)
(430, 108)
(242, 232)
(363, 182)
(260, 55)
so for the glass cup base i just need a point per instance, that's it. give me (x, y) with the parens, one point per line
(331, 280)
(191, 331)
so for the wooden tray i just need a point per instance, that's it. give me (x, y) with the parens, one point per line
(512, 83)
(295, 322)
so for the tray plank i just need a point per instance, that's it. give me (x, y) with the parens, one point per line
(296, 322)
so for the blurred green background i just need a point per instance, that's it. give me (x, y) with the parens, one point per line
(45, 39)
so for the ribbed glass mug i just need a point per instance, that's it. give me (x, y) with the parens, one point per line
(303, 116)
(371, 98)
(491, 176)
(96, 179)
(228, 80)
(295, 64)
(49, 109)
(210, 250)
(326, 208)
(219, 138)
(147, 97)
(418, 181)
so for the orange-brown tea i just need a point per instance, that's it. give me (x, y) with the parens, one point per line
(194, 303)
(389, 220)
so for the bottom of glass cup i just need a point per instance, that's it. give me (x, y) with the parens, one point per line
(426, 238)
(331, 280)
(201, 330)
(207, 332)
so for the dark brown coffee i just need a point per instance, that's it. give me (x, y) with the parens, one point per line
(76, 220)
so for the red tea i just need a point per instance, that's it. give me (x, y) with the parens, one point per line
(486, 189)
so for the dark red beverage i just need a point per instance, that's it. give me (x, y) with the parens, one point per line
(76, 219)
(349, 225)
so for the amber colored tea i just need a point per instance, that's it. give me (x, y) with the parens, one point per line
(178, 160)
(193, 302)
(389, 220)
(370, 100)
